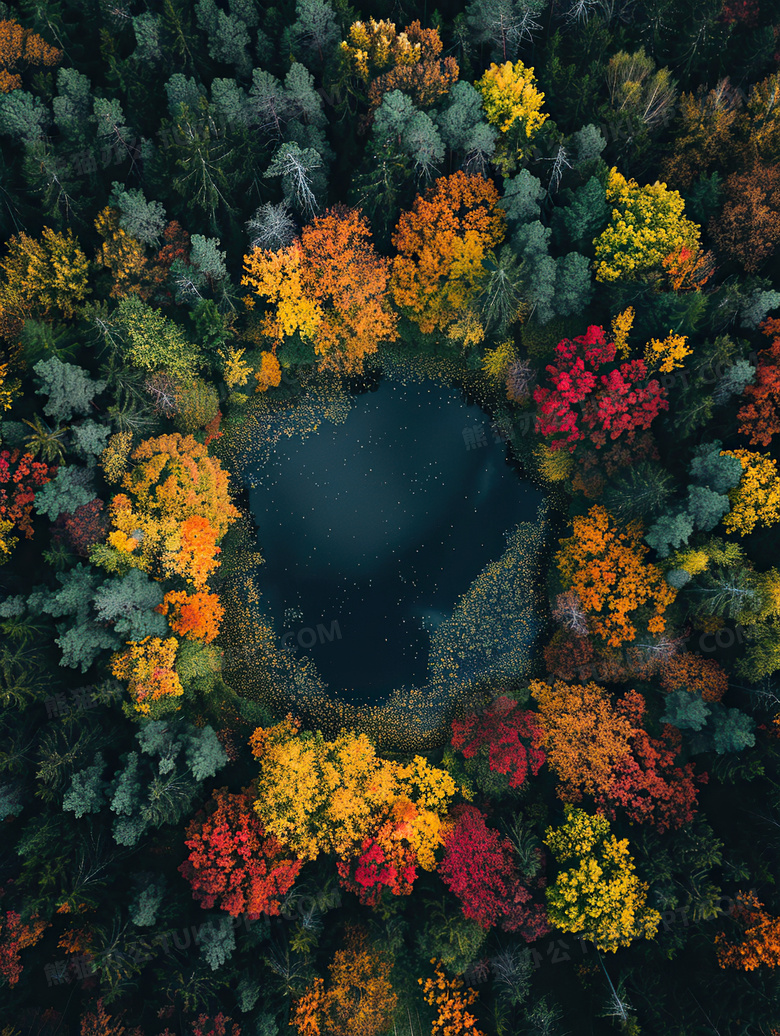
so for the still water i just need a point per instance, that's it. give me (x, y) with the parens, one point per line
(372, 529)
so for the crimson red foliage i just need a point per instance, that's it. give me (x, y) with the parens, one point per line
(592, 397)
(232, 861)
(85, 527)
(478, 867)
(511, 738)
(24, 474)
(218, 1025)
(379, 867)
(646, 783)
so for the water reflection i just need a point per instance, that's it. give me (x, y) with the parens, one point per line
(379, 525)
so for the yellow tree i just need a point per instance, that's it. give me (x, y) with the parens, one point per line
(331, 796)
(149, 669)
(441, 244)
(124, 256)
(756, 498)
(43, 277)
(513, 103)
(598, 896)
(648, 224)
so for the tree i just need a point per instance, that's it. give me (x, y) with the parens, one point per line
(478, 867)
(124, 256)
(647, 225)
(148, 668)
(592, 397)
(748, 228)
(303, 183)
(16, 935)
(461, 122)
(25, 476)
(44, 277)
(175, 510)
(504, 24)
(69, 388)
(756, 500)
(232, 862)
(21, 49)
(604, 564)
(759, 937)
(329, 796)
(348, 282)
(315, 30)
(638, 91)
(359, 1001)
(272, 227)
(512, 102)
(450, 1000)
(194, 616)
(85, 527)
(154, 342)
(704, 132)
(68, 489)
(442, 243)
(132, 605)
(508, 737)
(695, 675)
(141, 219)
(599, 897)
(331, 287)
(759, 418)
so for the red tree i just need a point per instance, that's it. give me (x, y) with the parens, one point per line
(594, 398)
(218, 1025)
(85, 527)
(509, 737)
(478, 867)
(647, 783)
(23, 475)
(232, 861)
(759, 418)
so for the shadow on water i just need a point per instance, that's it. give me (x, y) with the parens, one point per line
(372, 530)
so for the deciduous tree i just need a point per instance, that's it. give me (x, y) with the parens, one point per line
(509, 737)
(232, 863)
(599, 895)
(478, 867)
(759, 418)
(441, 245)
(21, 49)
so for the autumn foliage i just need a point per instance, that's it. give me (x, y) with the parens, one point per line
(382, 818)
(21, 49)
(194, 616)
(20, 476)
(16, 935)
(759, 417)
(590, 397)
(601, 749)
(359, 1000)
(598, 895)
(175, 508)
(451, 1001)
(605, 565)
(233, 863)
(441, 243)
(759, 942)
(748, 228)
(478, 867)
(329, 286)
(149, 669)
(507, 735)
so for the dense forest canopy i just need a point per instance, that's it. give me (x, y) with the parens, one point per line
(223, 218)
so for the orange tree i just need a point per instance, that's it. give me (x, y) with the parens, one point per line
(330, 288)
(759, 945)
(21, 49)
(359, 1000)
(441, 244)
(175, 508)
(450, 999)
(604, 563)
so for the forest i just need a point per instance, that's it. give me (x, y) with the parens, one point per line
(216, 214)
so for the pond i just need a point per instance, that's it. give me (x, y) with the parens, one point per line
(373, 529)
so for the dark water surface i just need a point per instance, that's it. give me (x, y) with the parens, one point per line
(371, 530)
